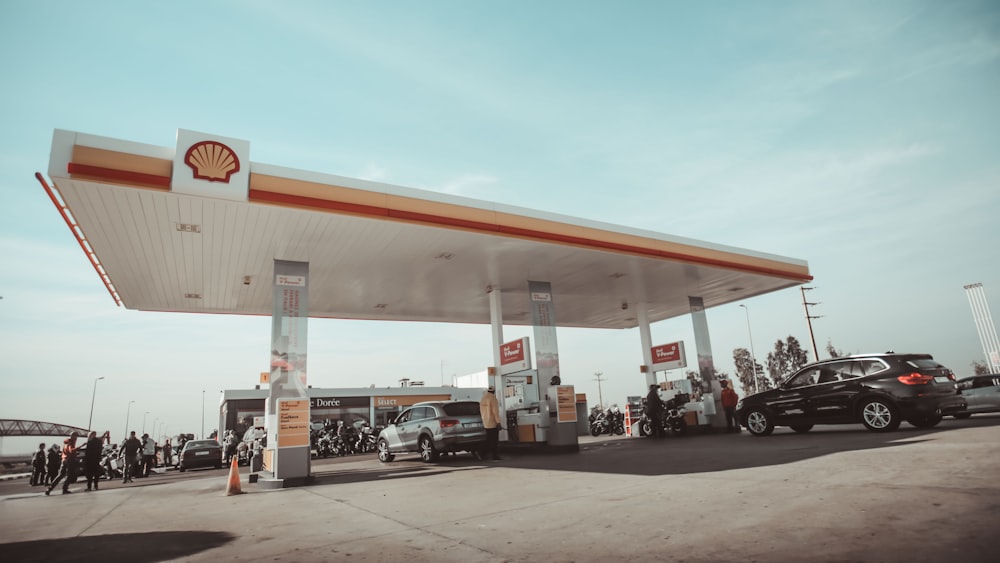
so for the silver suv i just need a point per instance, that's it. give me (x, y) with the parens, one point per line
(432, 428)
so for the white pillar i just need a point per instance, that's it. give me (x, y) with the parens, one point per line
(496, 324)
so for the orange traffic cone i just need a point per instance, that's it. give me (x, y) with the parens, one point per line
(233, 486)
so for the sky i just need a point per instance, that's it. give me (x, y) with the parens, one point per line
(862, 137)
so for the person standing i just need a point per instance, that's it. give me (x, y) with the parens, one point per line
(729, 401)
(654, 411)
(148, 455)
(68, 468)
(489, 409)
(38, 466)
(92, 459)
(130, 452)
(55, 458)
(168, 453)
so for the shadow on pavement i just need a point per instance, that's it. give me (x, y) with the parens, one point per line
(134, 548)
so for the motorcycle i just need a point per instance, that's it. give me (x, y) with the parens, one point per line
(671, 418)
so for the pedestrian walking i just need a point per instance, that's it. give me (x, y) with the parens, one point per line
(729, 401)
(38, 466)
(68, 468)
(54, 459)
(130, 453)
(490, 412)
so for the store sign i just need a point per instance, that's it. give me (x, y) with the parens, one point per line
(407, 400)
(669, 356)
(515, 356)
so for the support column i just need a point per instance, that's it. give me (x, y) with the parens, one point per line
(496, 324)
(287, 458)
(647, 346)
(706, 366)
(559, 432)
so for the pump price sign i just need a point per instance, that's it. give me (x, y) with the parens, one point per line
(293, 423)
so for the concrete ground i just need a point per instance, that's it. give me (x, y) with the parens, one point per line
(834, 494)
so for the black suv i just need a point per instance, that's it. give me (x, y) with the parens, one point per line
(877, 390)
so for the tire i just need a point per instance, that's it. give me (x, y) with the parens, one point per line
(962, 415)
(426, 448)
(383, 451)
(802, 428)
(646, 428)
(929, 421)
(678, 427)
(878, 415)
(759, 423)
(619, 430)
(595, 430)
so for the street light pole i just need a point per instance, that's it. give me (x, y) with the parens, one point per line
(144, 422)
(753, 355)
(600, 396)
(93, 395)
(202, 414)
(127, 411)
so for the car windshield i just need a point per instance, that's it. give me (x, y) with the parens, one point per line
(465, 408)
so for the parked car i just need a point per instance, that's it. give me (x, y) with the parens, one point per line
(200, 453)
(432, 428)
(981, 392)
(877, 390)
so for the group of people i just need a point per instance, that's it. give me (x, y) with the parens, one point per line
(55, 465)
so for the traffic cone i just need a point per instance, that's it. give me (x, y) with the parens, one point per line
(628, 421)
(233, 486)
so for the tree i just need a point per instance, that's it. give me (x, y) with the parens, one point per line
(834, 353)
(787, 357)
(980, 368)
(698, 384)
(751, 377)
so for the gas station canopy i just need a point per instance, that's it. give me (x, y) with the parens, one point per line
(375, 251)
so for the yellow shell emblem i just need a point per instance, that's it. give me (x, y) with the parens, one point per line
(212, 161)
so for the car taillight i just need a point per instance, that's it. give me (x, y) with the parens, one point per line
(915, 379)
(448, 423)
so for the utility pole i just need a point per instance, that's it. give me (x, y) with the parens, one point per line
(600, 396)
(809, 319)
(753, 356)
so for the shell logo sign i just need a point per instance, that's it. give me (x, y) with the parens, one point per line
(212, 161)
(211, 166)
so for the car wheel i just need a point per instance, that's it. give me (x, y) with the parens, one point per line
(925, 421)
(879, 416)
(427, 451)
(962, 415)
(383, 451)
(802, 428)
(759, 423)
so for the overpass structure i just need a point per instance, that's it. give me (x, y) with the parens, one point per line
(35, 428)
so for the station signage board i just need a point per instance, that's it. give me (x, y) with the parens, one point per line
(515, 356)
(669, 356)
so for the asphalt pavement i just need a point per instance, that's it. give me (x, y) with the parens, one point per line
(834, 494)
